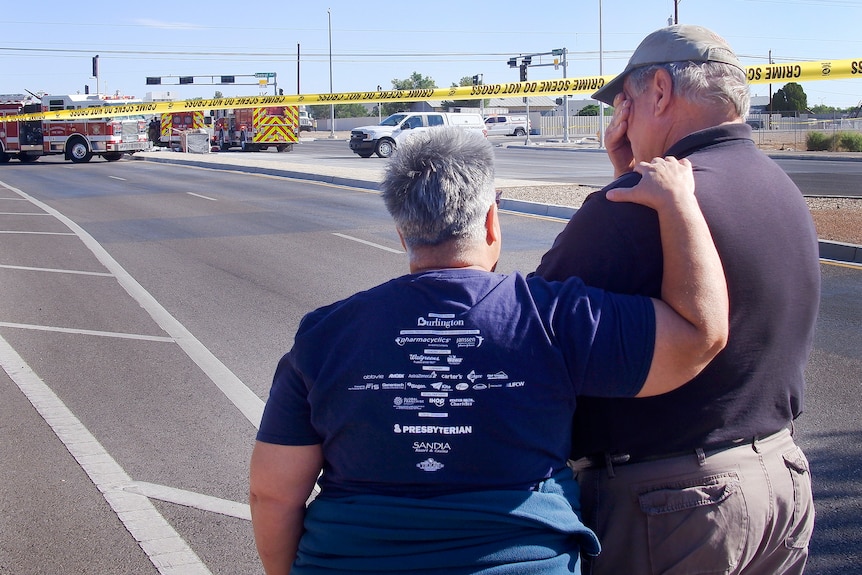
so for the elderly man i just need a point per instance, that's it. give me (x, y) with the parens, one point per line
(438, 405)
(706, 479)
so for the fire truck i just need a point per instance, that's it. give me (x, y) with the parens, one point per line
(173, 124)
(255, 129)
(78, 139)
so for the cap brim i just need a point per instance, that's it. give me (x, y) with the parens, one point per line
(609, 91)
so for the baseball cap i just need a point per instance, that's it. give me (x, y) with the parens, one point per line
(679, 43)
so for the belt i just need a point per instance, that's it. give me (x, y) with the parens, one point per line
(611, 460)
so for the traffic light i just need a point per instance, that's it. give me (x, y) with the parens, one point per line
(523, 72)
(96, 66)
(513, 62)
(476, 80)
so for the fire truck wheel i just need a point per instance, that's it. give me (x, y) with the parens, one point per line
(284, 147)
(113, 156)
(4, 158)
(27, 158)
(79, 153)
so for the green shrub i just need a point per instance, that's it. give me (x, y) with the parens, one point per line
(840, 141)
(817, 142)
(849, 141)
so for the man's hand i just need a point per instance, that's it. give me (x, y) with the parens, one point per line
(616, 141)
(664, 181)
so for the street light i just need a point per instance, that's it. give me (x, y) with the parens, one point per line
(331, 105)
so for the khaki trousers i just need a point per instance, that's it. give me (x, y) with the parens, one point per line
(745, 510)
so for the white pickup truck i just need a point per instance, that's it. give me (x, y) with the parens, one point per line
(508, 125)
(381, 139)
(306, 122)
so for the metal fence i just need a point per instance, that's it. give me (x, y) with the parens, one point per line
(767, 128)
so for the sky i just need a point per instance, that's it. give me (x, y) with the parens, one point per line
(347, 46)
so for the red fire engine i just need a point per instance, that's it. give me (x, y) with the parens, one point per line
(79, 139)
(255, 129)
(173, 124)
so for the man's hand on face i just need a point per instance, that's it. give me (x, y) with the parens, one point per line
(617, 144)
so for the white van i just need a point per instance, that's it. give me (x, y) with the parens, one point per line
(381, 139)
(508, 125)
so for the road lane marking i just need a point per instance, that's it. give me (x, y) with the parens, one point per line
(167, 551)
(190, 499)
(23, 214)
(56, 271)
(367, 243)
(203, 197)
(851, 265)
(117, 178)
(36, 233)
(245, 400)
(116, 334)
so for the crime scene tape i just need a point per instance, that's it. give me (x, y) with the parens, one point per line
(761, 74)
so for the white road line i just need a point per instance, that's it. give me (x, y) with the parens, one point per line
(117, 178)
(116, 334)
(367, 243)
(23, 214)
(57, 271)
(248, 403)
(200, 196)
(36, 233)
(168, 552)
(190, 499)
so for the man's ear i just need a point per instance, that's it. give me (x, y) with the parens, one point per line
(401, 237)
(663, 90)
(492, 225)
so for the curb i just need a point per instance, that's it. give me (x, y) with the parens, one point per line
(836, 251)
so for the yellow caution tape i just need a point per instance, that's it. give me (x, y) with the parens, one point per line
(762, 74)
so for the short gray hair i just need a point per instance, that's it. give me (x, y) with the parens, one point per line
(439, 185)
(706, 84)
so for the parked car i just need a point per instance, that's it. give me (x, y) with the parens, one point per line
(382, 139)
(507, 125)
(756, 124)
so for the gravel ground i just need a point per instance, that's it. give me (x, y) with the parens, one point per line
(836, 219)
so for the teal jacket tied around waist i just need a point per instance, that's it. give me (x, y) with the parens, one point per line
(488, 533)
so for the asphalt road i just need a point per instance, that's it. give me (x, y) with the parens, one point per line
(815, 173)
(143, 309)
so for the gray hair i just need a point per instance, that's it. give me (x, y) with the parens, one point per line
(705, 84)
(439, 185)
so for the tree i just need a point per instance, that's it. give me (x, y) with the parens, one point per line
(416, 81)
(589, 110)
(593, 110)
(354, 110)
(218, 95)
(790, 98)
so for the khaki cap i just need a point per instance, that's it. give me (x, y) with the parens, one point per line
(680, 43)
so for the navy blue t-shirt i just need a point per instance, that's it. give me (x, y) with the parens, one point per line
(454, 380)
